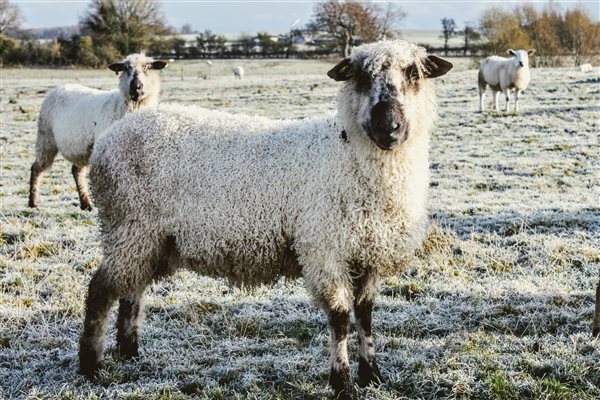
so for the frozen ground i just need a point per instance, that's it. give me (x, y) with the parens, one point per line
(498, 305)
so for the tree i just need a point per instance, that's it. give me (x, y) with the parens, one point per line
(580, 35)
(502, 30)
(389, 18)
(209, 43)
(470, 34)
(127, 25)
(10, 17)
(351, 21)
(448, 31)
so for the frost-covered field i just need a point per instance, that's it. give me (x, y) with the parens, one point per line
(498, 305)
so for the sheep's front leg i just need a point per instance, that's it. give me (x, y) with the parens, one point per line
(596, 326)
(79, 176)
(496, 106)
(365, 289)
(339, 377)
(507, 96)
(517, 93)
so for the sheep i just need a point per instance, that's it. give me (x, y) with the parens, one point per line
(504, 74)
(73, 117)
(339, 200)
(586, 68)
(238, 72)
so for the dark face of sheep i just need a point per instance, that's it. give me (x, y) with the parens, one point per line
(383, 91)
(136, 75)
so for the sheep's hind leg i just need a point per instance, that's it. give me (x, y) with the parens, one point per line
(101, 296)
(45, 153)
(517, 93)
(496, 106)
(365, 288)
(79, 176)
(596, 326)
(128, 324)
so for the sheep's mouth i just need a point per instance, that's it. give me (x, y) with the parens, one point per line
(135, 96)
(386, 141)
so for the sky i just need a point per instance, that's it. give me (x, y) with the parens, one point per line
(227, 16)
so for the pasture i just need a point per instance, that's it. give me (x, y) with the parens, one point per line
(497, 304)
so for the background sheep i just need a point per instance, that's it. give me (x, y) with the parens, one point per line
(504, 74)
(340, 200)
(72, 118)
(238, 72)
(586, 68)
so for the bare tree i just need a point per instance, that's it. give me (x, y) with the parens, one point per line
(470, 34)
(389, 18)
(128, 25)
(580, 34)
(350, 20)
(448, 31)
(10, 17)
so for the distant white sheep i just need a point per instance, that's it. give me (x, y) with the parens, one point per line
(586, 68)
(238, 72)
(73, 117)
(340, 200)
(505, 75)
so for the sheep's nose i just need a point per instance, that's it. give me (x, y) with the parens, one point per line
(135, 89)
(520, 63)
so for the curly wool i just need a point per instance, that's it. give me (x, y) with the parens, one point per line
(254, 199)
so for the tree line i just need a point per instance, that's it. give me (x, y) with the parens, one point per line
(111, 29)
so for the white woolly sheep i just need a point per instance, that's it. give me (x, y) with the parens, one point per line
(504, 75)
(73, 117)
(586, 68)
(339, 200)
(238, 72)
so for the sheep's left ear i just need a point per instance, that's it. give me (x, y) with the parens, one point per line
(511, 52)
(158, 64)
(117, 67)
(342, 71)
(436, 66)
(530, 51)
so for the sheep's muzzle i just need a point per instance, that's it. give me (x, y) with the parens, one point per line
(388, 127)
(136, 88)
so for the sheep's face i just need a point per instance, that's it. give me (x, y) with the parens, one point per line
(520, 57)
(139, 78)
(383, 79)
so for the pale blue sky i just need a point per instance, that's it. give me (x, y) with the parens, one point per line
(272, 16)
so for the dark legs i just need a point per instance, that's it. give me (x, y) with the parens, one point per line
(339, 377)
(364, 292)
(128, 324)
(40, 165)
(101, 296)
(596, 327)
(79, 176)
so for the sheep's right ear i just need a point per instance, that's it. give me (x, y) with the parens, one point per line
(342, 71)
(511, 52)
(117, 67)
(530, 51)
(159, 64)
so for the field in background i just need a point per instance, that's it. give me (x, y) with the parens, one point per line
(498, 304)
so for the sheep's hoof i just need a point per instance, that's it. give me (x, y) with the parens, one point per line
(32, 204)
(128, 350)
(88, 364)
(368, 374)
(342, 384)
(86, 205)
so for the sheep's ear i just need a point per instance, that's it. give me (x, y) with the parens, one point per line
(117, 67)
(436, 66)
(511, 52)
(158, 64)
(530, 51)
(342, 71)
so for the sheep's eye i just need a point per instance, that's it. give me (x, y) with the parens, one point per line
(363, 79)
(147, 67)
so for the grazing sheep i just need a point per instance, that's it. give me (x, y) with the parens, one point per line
(505, 74)
(73, 117)
(339, 200)
(586, 68)
(238, 72)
